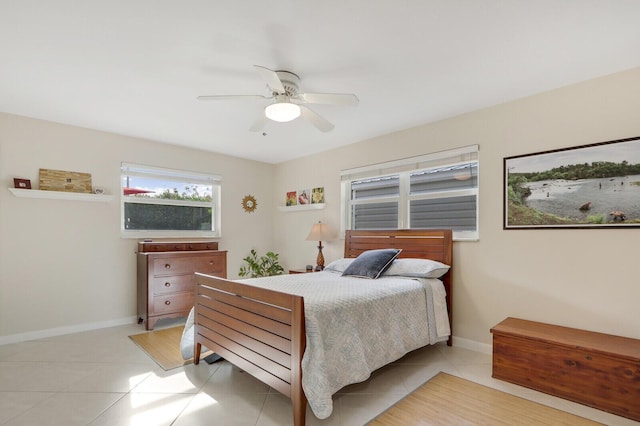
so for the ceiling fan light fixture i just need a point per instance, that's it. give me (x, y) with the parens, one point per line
(282, 111)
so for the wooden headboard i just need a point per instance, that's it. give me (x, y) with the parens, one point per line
(434, 244)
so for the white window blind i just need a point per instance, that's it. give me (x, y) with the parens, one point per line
(438, 190)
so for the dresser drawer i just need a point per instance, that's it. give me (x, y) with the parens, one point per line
(207, 263)
(149, 246)
(173, 302)
(159, 247)
(201, 246)
(173, 284)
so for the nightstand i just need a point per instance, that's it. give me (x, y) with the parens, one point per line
(300, 271)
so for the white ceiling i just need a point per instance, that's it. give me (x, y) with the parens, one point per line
(135, 67)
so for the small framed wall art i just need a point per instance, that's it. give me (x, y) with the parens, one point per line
(303, 196)
(21, 183)
(317, 195)
(291, 199)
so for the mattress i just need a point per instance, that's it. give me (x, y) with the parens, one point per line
(355, 326)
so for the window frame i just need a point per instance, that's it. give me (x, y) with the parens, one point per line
(403, 168)
(139, 170)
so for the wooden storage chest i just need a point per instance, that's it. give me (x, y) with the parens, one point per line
(166, 280)
(594, 369)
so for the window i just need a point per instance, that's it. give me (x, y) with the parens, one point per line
(159, 202)
(432, 191)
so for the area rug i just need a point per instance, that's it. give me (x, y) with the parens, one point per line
(163, 346)
(450, 400)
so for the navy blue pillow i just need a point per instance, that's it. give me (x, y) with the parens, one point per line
(371, 263)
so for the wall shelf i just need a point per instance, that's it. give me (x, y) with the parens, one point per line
(300, 208)
(59, 195)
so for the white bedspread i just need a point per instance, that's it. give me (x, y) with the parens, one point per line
(355, 326)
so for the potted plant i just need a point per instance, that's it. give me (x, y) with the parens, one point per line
(263, 266)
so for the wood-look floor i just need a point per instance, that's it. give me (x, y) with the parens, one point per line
(450, 400)
(164, 346)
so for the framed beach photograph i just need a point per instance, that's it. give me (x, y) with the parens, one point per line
(588, 186)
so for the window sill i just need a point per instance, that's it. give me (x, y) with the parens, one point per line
(59, 195)
(301, 208)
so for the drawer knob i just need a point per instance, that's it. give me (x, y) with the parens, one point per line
(167, 284)
(167, 302)
(211, 262)
(167, 266)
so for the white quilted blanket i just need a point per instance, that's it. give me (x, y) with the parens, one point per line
(355, 326)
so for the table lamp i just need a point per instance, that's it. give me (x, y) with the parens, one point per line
(320, 232)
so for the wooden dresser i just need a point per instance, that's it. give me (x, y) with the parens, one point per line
(166, 281)
(594, 369)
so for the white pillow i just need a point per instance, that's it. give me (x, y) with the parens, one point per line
(417, 268)
(339, 265)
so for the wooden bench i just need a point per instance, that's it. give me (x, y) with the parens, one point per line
(594, 369)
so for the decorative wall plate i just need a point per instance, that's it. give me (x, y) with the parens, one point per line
(249, 203)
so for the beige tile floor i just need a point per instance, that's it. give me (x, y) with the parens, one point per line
(102, 378)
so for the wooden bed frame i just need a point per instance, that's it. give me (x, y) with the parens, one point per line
(262, 331)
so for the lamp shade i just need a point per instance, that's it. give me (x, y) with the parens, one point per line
(320, 232)
(463, 173)
(282, 111)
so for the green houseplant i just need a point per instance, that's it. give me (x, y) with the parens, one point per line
(263, 266)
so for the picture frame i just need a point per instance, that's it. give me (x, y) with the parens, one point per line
(304, 197)
(317, 195)
(21, 183)
(291, 199)
(587, 186)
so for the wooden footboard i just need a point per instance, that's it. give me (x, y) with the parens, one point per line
(258, 330)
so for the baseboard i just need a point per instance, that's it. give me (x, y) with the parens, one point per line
(472, 345)
(52, 332)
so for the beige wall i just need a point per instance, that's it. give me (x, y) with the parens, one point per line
(63, 265)
(578, 278)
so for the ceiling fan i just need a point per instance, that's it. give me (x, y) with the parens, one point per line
(289, 103)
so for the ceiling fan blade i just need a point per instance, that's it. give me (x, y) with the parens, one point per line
(312, 117)
(343, 99)
(258, 125)
(231, 97)
(271, 78)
